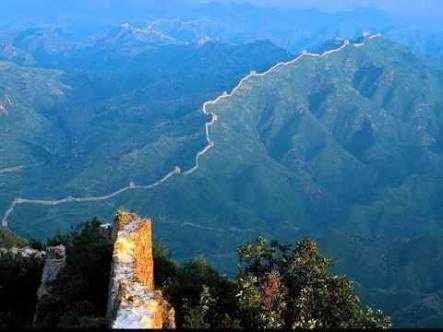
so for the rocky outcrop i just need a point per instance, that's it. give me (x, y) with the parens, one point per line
(54, 263)
(133, 301)
(5, 102)
(25, 252)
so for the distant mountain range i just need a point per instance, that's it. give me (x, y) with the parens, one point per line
(346, 147)
(182, 22)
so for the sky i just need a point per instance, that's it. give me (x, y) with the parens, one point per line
(424, 11)
(401, 8)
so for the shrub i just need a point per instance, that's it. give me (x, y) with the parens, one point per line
(291, 287)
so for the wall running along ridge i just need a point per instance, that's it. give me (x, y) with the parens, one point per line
(177, 170)
(133, 301)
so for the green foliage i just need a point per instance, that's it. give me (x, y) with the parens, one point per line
(315, 148)
(262, 300)
(200, 295)
(278, 286)
(292, 287)
(36, 244)
(9, 239)
(58, 239)
(197, 317)
(79, 295)
(19, 281)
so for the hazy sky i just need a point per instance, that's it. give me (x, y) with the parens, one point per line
(414, 8)
(416, 11)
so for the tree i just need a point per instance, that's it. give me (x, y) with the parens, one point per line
(282, 286)
(78, 296)
(19, 281)
(202, 298)
(197, 316)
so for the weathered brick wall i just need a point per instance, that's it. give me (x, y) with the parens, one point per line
(133, 301)
(55, 261)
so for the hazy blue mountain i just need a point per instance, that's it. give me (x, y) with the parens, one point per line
(191, 22)
(347, 148)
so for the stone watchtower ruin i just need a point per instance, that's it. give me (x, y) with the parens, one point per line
(133, 301)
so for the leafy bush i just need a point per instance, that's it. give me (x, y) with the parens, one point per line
(277, 286)
(291, 287)
(9, 240)
(19, 281)
(201, 297)
(78, 297)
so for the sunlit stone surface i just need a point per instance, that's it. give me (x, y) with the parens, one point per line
(133, 302)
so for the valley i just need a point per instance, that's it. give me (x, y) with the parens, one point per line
(221, 128)
(177, 171)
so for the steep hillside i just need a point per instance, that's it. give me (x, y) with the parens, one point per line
(106, 119)
(28, 133)
(350, 143)
(347, 145)
(321, 142)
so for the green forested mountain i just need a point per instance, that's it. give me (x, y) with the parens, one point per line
(347, 148)
(29, 138)
(108, 118)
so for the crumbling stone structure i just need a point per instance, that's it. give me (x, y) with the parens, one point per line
(25, 253)
(55, 261)
(133, 301)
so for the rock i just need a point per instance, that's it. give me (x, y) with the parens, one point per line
(54, 263)
(133, 301)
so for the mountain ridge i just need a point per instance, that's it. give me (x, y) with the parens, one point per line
(343, 148)
(177, 170)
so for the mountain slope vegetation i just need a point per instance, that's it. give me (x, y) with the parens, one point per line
(108, 119)
(345, 146)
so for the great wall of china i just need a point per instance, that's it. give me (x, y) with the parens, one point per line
(133, 301)
(210, 144)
